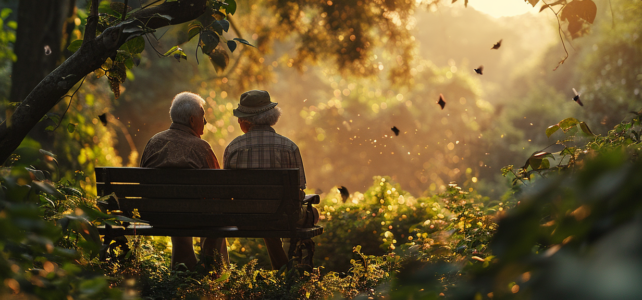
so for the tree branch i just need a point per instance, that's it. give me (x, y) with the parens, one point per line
(125, 11)
(91, 55)
(559, 30)
(92, 23)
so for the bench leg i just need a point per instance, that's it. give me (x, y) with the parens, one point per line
(302, 250)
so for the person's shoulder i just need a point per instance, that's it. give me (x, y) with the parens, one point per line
(236, 141)
(286, 141)
(163, 135)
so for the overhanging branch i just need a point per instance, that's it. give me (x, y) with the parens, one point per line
(91, 55)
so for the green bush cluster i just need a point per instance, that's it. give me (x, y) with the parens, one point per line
(567, 227)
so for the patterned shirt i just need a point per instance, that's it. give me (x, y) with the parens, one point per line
(178, 147)
(262, 148)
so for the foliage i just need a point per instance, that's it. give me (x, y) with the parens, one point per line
(7, 38)
(48, 244)
(558, 240)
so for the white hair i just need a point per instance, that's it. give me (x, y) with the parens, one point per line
(269, 117)
(184, 106)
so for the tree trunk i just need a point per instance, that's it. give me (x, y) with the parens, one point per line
(40, 24)
(89, 57)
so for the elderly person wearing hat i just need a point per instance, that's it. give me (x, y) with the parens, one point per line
(181, 146)
(262, 148)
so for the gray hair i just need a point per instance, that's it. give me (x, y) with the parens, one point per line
(269, 117)
(184, 106)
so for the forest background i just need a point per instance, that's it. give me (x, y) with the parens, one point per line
(338, 107)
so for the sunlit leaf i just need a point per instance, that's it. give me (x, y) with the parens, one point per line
(171, 51)
(74, 46)
(586, 129)
(194, 30)
(552, 129)
(134, 46)
(584, 9)
(567, 123)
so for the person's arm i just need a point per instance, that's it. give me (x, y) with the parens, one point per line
(298, 162)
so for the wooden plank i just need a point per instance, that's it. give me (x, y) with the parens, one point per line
(196, 191)
(304, 233)
(192, 220)
(193, 176)
(227, 206)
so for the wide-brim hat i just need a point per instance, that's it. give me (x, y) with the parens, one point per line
(253, 103)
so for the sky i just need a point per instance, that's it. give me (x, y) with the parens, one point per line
(503, 8)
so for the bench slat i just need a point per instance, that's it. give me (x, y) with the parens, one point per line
(304, 233)
(193, 176)
(181, 220)
(194, 191)
(226, 206)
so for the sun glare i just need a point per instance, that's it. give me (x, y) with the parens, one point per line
(502, 8)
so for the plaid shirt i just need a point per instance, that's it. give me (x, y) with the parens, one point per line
(262, 148)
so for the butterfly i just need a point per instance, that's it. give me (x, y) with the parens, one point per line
(441, 101)
(103, 119)
(576, 98)
(344, 193)
(395, 130)
(497, 45)
(479, 70)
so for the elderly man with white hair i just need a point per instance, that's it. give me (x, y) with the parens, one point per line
(181, 146)
(262, 148)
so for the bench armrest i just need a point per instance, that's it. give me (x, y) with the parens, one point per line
(311, 199)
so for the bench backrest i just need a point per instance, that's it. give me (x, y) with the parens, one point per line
(252, 199)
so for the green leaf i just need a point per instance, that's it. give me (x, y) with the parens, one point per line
(552, 129)
(231, 45)
(586, 129)
(171, 51)
(134, 46)
(194, 30)
(54, 117)
(217, 27)
(74, 46)
(223, 277)
(130, 220)
(224, 24)
(71, 127)
(242, 41)
(36, 173)
(5, 13)
(105, 8)
(230, 8)
(180, 54)
(567, 123)
(209, 41)
(49, 128)
(48, 188)
(45, 152)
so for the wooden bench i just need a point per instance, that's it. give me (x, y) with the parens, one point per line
(254, 203)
